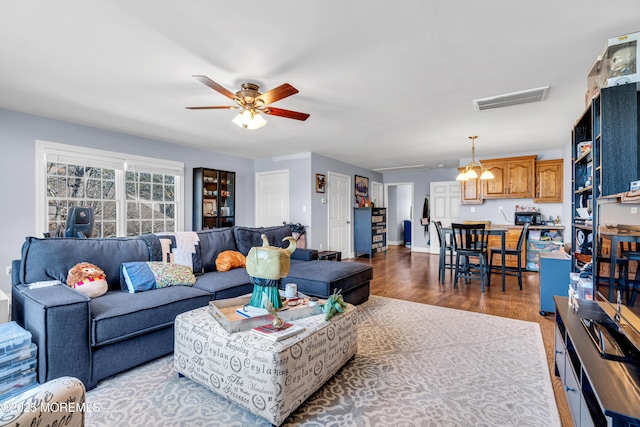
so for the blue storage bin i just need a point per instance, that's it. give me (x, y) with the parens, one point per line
(407, 232)
(13, 337)
(16, 356)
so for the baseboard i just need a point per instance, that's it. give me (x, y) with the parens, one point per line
(395, 243)
(416, 249)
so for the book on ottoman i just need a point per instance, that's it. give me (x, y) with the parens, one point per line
(268, 331)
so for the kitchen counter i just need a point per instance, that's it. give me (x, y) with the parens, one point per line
(532, 227)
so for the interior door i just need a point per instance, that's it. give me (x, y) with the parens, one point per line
(272, 198)
(445, 207)
(339, 200)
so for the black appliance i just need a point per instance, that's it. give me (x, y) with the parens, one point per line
(533, 218)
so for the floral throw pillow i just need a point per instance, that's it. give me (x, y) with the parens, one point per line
(144, 276)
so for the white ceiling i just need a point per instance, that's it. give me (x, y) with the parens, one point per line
(387, 83)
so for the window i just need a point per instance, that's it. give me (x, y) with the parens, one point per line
(130, 195)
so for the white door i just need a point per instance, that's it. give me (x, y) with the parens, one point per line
(272, 198)
(339, 199)
(445, 207)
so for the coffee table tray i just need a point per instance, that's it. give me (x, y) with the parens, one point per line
(224, 311)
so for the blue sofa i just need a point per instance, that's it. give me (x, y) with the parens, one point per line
(92, 339)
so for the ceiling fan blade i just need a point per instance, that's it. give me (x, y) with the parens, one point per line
(215, 86)
(277, 93)
(213, 108)
(287, 113)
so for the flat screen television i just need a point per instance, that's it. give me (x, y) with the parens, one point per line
(80, 220)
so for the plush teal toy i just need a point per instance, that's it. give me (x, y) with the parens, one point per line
(335, 304)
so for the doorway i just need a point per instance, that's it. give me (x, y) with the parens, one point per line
(399, 203)
(339, 207)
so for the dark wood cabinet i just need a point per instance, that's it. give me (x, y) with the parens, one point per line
(606, 158)
(600, 391)
(620, 156)
(370, 231)
(213, 198)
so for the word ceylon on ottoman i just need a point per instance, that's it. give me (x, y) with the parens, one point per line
(270, 379)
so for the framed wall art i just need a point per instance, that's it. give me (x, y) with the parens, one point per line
(321, 181)
(362, 187)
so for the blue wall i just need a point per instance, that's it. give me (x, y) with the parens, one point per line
(18, 135)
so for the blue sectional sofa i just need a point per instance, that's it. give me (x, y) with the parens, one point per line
(92, 339)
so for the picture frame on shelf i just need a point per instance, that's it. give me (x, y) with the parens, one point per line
(362, 186)
(321, 182)
(208, 208)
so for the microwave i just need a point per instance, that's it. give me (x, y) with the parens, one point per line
(533, 218)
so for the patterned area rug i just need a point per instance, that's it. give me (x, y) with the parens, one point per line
(416, 365)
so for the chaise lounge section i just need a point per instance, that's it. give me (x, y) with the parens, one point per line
(92, 339)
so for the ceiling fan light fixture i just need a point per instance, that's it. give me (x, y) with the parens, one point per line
(249, 119)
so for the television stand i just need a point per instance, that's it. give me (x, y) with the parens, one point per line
(600, 391)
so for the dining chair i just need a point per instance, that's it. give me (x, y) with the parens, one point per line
(470, 244)
(445, 245)
(622, 266)
(503, 252)
(631, 252)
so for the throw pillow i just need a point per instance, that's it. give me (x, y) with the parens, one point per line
(228, 260)
(144, 276)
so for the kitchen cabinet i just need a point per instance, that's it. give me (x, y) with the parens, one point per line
(213, 198)
(549, 177)
(513, 178)
(511, 242)
(541, 238)
(470, 191)
(370, 231)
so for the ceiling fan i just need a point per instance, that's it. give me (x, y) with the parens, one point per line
(252, 103)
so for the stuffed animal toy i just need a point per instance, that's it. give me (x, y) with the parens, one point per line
(88, 279)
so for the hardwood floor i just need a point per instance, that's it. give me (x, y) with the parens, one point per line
(413, 276)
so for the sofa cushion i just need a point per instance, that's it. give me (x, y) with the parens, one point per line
(247, 238)
(177, 247)
(119, 315)
(144, 276)
(213, 242)
(51, 259)
(229, 284)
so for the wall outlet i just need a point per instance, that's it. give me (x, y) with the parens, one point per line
(473, 209)
(320, 246)
(8, 270)
(500, 209)
(634, 210)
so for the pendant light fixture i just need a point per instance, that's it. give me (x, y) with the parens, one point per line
(470, 171)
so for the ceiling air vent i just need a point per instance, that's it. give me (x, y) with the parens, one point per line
(509, 99)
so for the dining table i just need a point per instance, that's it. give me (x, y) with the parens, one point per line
(496, 231)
